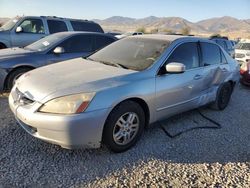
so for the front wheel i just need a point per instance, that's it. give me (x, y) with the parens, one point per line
(11, 80)
(223, 96)
(124, 126)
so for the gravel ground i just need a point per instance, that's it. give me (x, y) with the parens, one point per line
(198, 158)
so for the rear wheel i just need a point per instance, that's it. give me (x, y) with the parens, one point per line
(223, 96)
(11, 80)
(124, 126)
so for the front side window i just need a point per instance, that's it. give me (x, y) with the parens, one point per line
(56, 26)
(32, 26)
(79, 43)
(132, 53)
(46, 43)
(211, 54)
(186, 54)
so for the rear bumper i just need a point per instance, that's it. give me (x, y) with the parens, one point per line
(68, 131)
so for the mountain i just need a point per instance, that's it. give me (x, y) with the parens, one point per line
(224, 25)
(3, 20)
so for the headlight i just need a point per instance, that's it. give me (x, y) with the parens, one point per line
(72, 104)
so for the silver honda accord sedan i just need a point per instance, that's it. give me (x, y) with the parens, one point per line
(111, 96)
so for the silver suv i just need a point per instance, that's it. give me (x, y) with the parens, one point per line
(22, 31)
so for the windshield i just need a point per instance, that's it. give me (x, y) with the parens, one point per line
(45, 43)
(9, 24)
(132, 53)
(243, 46)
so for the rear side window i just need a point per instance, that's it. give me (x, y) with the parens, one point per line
(86, 26)
(102, 41)
(211, 54)
(56, 26)
(221, 43)
(77, 44)
(229, 45)
(186, 54)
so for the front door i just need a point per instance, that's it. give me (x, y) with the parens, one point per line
(176, 93)
(32, 30)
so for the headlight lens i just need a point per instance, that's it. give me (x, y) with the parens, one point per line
(72, 104)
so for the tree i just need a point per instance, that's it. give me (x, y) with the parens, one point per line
(141, 29)
(154, 31)
(185, 31)
(215, 35)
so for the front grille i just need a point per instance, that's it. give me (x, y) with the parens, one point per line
(21, 98)
(239, 55)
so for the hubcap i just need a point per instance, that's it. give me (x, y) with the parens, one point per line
(126, 128)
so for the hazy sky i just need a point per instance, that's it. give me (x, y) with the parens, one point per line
(193, 10)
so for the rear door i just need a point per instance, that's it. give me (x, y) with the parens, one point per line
(215, 65)
(75, 46)
(176, 93)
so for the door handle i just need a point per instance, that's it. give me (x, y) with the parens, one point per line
(197, 77)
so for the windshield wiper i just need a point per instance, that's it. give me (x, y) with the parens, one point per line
(121, 65)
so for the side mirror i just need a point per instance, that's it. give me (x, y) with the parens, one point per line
(175, 68)
(19, 29)
(59, 50)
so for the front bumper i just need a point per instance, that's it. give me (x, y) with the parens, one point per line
(68, 131)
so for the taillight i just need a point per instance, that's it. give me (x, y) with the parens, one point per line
(243, 68)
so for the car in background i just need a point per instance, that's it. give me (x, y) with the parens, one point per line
(242, 51)
(245, 73)
(225, 44)
(51, 49)
(111, 96)
(138, 33)
(22, 31)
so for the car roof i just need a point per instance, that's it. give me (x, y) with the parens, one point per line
(170, 38)
(70, 33)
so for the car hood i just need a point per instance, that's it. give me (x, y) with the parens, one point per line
(70, 77)
(13, 53)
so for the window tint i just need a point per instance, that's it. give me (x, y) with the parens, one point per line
(102, 41)
(229, 45)
(79, 43)
(210, 54)
(86, 26)
(221, 43)
(32, 26)
(186, 54)
(56, 26)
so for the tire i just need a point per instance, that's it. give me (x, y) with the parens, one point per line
(14, 76)
(2, 46)
(223, 96)
(119, 133)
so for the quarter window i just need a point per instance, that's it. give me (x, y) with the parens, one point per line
(211, 54)
(186, 54)
(79, 43)
(32, 26)
(56, 26)
(86, 26)
(102, 41)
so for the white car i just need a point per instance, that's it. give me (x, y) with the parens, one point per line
(242, 51)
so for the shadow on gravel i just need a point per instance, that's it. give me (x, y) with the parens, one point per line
(26, 161)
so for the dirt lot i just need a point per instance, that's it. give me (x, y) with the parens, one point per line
(198, 158)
